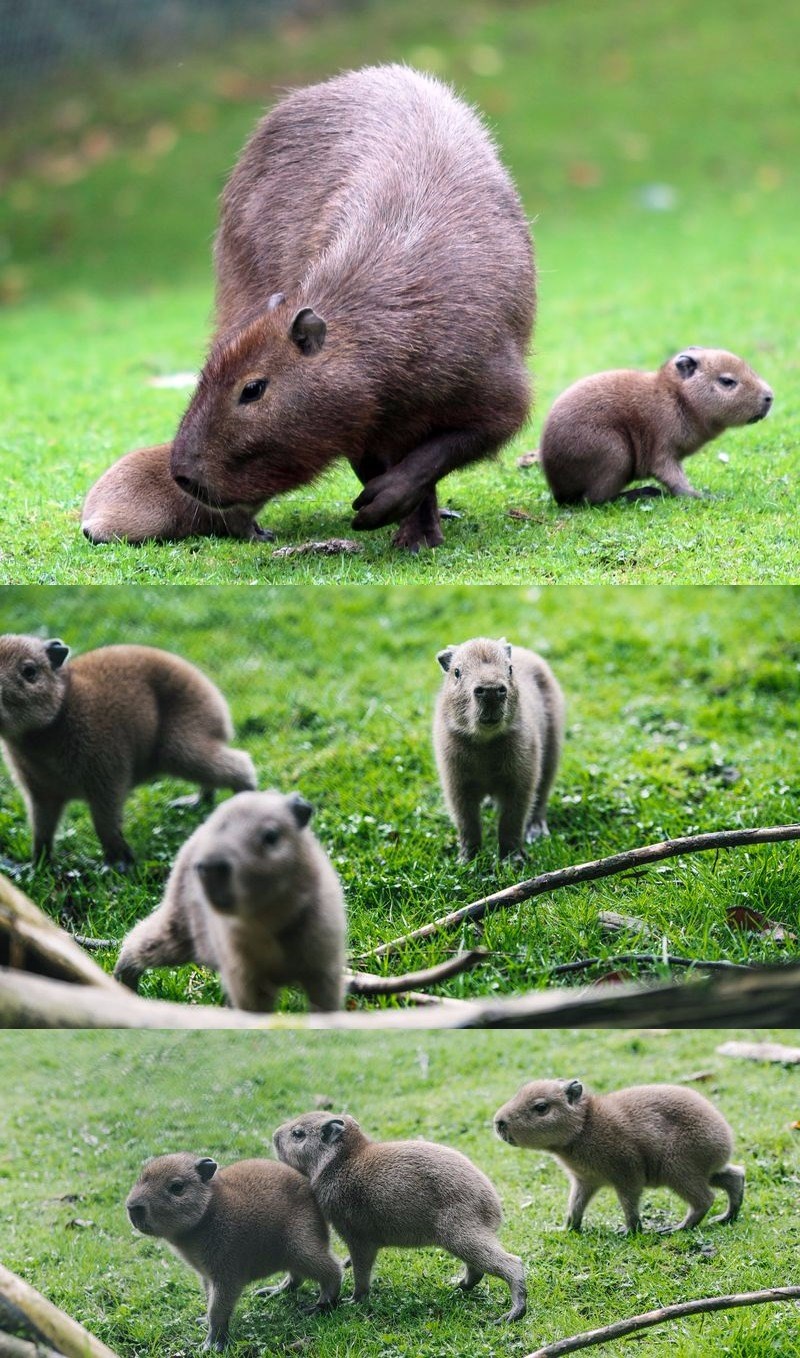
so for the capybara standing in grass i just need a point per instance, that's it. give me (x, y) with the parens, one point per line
(616, 427)
(375, 300)
(497, 734)
(95, 728)
(401, 1194)
(233, 1226)
(253, 894)
(648, 1136)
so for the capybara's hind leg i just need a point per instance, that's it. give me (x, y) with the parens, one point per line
(731, 1180)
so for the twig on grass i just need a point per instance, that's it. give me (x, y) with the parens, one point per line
(646, 959)
(365, 983)
(649, 1318)
(589, 872)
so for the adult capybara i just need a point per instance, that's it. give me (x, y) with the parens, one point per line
(375, 299)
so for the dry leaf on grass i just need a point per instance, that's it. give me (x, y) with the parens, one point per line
(530, 459)
(761, 1051)
(755, 922)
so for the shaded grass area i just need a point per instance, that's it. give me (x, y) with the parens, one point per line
(682, 718)
(83, 1111)
(665, 201)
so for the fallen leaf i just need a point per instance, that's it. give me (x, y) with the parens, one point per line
(529, 459)
(699, 1077)
(78, 1223)
(752, 921)
(518, 514)
(761, 1051)
(612, 978)
(612, 923)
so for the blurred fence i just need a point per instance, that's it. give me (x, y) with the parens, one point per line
(40, 38)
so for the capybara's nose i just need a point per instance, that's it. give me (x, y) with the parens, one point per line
(767, 401)
(138, 1215)
(216, 876)
(497, 692)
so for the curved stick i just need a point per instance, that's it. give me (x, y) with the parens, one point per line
(657, 1317)
(365, 983)
(590, 872)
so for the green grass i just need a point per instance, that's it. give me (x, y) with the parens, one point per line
(82, 1111)
(682, 717)
(108, 210)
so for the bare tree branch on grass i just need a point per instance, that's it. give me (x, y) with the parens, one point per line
(591, 871)
(647, 1319)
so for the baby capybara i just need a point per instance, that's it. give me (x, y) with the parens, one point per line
(375, 299)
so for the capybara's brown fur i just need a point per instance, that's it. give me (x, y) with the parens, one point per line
(95, 728)
(648, 1136)
(234, 1225)
(253, 894)
(616, 427)
(497, 733)
(406, 1194)
(375, 299)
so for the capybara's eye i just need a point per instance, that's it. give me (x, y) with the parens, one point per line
(298, 1134)
(176, 1187)
(29, 671)
(727, 382)
(541, 1107)
(457, 673)
(252, 391)
(271, 835)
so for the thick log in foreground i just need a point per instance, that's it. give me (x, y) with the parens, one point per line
(763, 997)
(63, 1334)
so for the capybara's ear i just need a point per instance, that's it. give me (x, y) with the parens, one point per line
(332, 1132)
(300, 809)
(206, 1168)
(57, 653)
(308, 331)
(445, 657)
(573, 1090)
(277, 299)
(506, 645)
(686, 364)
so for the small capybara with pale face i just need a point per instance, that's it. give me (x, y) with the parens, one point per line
(616, 427)
(497, 733)
(252, 894)
(402, 1194)
(95, 728)
(375, 300)
(233, 1226)
(648, 1136)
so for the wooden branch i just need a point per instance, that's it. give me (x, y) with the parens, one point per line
(647, 1319)
(365, 983)
(65, 1334)
(29, 939)
(12, 1347)
(760, 997)
(651, 958)
(589, 872)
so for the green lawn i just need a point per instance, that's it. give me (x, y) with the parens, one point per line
(108, 207)
(80, 1112)
(682, 717)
